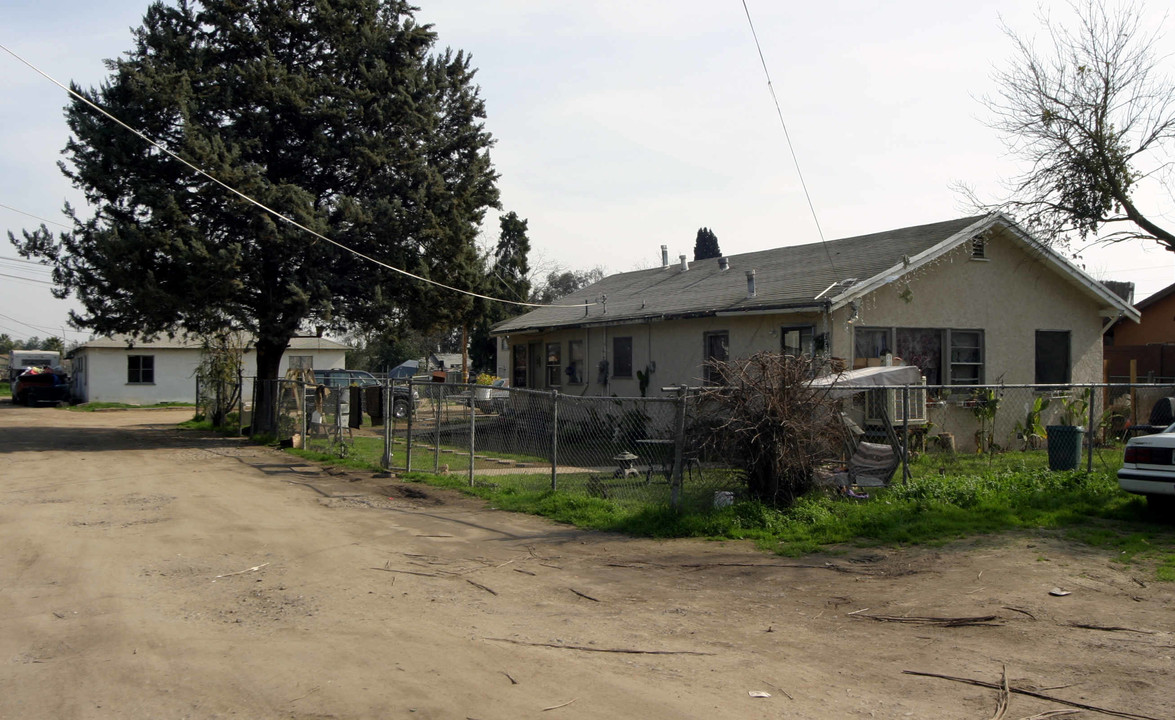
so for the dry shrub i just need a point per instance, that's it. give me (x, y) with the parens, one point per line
(771, 423)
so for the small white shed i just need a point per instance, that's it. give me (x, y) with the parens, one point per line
(120, 370)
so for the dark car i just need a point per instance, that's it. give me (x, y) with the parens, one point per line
(404, 399)
(35, 387)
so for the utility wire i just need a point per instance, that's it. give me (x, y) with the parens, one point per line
(787, 135)
(22, 212)
(26, 279)
(259, 204)
(39, 329)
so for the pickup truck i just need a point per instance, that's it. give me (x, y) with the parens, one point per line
(404, 400)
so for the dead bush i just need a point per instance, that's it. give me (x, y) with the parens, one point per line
(768, 421)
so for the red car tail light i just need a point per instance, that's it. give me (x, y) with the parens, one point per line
(1143, 455)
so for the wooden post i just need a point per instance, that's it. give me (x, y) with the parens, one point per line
(1133, 394)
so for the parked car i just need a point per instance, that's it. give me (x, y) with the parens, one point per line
(1148, 470)
(37, 386)
(404, 400)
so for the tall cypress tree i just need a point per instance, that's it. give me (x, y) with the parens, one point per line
(507, 277)
(706, 245)
(333, 112)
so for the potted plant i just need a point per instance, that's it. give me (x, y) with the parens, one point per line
(1064, 439)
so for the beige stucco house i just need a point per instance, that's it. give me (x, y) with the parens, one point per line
(969, 301)
(121, 370)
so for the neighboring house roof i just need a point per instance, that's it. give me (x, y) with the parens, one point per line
(181, 342)
(446, 360)
(1152, 299)
(816, 276)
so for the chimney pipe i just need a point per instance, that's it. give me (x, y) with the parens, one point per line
(750, 283)
(723, 263)
(664, 256)
(684, 263)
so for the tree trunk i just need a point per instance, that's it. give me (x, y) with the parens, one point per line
(269, 360)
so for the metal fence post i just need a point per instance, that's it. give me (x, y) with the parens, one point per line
(436, 433)
(241, 403)
(305, 414)
(408, 440)
(388, 413)
(906, 433)
(1089, 434)
(472, 434)
(554, 438)
(678, 449)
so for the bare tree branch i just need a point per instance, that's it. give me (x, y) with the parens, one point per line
(1086, 114)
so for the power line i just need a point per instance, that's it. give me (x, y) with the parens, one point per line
(35, 217)
(259, 204)
(39, 329)
(787, 135)
(26, 279)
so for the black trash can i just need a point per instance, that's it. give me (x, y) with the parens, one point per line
(1065, 446)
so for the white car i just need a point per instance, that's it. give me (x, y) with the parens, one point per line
(1149, 468)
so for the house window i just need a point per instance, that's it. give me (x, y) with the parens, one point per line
(797, 341)
(870, 343)
(554, 364)
(945, 356)
(575, 361)
(717, 349)
(1052, 356)
(519, 375)
(966, 357)
(140, 369)
(622, 357)
(301, 362)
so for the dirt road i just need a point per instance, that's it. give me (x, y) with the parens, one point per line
(147, 572)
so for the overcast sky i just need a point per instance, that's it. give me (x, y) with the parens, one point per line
(623, 125)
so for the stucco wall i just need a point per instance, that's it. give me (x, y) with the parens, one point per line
(1009, 296)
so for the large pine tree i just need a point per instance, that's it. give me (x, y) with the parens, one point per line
(336, 113)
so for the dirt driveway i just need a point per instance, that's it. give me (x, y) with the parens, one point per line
(147, 572)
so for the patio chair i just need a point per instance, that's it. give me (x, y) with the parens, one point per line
(871, 465)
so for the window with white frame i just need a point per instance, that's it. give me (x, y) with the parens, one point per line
(301, 362)
(946, 356)
(1052, 356)
(554, 364)
(140, 369)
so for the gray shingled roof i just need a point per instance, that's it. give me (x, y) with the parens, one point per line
(784, 277)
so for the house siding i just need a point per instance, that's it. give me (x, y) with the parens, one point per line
(102, 376)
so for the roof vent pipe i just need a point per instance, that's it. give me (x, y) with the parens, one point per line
(664, 256)
(750, 283)
(723, 263)
(684, 263)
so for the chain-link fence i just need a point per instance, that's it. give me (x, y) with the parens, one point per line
(978, 428)
(637, 450)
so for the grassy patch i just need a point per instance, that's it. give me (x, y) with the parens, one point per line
(93, 406)
(5, 389)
